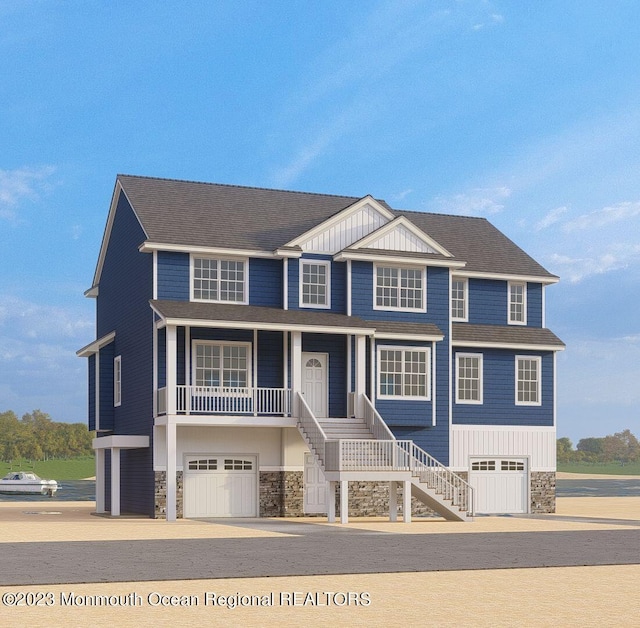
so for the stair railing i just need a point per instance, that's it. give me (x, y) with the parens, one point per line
(375, 422)
(312, 429)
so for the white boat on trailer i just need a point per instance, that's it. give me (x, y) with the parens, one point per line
(26, 482)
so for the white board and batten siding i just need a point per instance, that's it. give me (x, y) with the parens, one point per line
(401, 239)
(537, 444)
(345, 232)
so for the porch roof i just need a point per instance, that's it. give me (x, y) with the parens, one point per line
(257, 317)
(395, 330)
(505, 337)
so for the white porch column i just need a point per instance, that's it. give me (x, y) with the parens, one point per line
(171, 469)
(296, 369)
(115, 481)
(406, 502)
(100, 508)
(331, 502)
(344, 501)
(171, 358)
(393, 501)
(361, 374)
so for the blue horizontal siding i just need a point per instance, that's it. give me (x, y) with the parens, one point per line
(265, 282)
(499, 406)
(106, 418)
(270, 359)
(488, 302)
(173, 276)
(91, 362)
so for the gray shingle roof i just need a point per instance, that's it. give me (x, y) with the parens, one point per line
(405, 329)
(228, 216)
(505, 335)
(255, 315)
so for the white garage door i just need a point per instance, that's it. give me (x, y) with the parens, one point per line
(499, 485)
(220, 486)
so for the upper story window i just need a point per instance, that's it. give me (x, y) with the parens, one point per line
(459, 308)
(403, 372)
(517, 303)
(315, 284)
(528, 380)
(117, 380)
(399, 288)
(469, 378)
(221, 280)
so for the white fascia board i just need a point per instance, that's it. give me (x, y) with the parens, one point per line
(420, 337)
(505, 277)
(92, 293)
(341, 215)
(397, 259)
(226, 420)
(470, 427)
(499, 345)
(96, 345)
(286, 254)
(401, 221)
(109, 226)
(149, 247)
(120, 441)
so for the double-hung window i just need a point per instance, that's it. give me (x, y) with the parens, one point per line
(469, 378)
(219, 364)
(517, 303)
(459, 311)
(404, 372)
(117, 380)
(399, 288)
(221, 280)
(528, 380)
(315, 284)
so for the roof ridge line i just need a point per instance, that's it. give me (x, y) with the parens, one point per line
(244, 187)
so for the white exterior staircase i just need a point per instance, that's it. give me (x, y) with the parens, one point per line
(365, 449)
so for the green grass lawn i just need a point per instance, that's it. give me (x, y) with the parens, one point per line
(611, 468)
(69, 469)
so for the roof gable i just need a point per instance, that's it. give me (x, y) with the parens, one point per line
(343, 229)
(401, 235)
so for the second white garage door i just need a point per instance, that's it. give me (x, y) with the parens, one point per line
(500, 485)
(220, 486)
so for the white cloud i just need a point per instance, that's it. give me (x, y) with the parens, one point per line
(575, 269)
(476, 202)
(19, 185)
(604, 217)
(554, 216)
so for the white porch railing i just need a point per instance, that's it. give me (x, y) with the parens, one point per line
(399, 455)
(314, 432)
(228, 400)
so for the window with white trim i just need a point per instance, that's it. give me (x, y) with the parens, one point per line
(528, 380)
(459, 299)
(315, 284)
(469, 378)
(222, 364)
(221, 280)
(404, 372)
(399, 288)
(517, 303)
(117, 380)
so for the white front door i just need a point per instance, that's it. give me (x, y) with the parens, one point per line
(314, 383)
(315, 487)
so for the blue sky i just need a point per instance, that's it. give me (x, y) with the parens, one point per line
(525, 113)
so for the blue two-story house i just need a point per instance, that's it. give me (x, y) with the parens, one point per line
(271, 353)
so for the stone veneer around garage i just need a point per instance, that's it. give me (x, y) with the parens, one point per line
(282, 495)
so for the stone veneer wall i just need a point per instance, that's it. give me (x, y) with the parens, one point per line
(281, 494)
(543, 491)
(160, 511)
